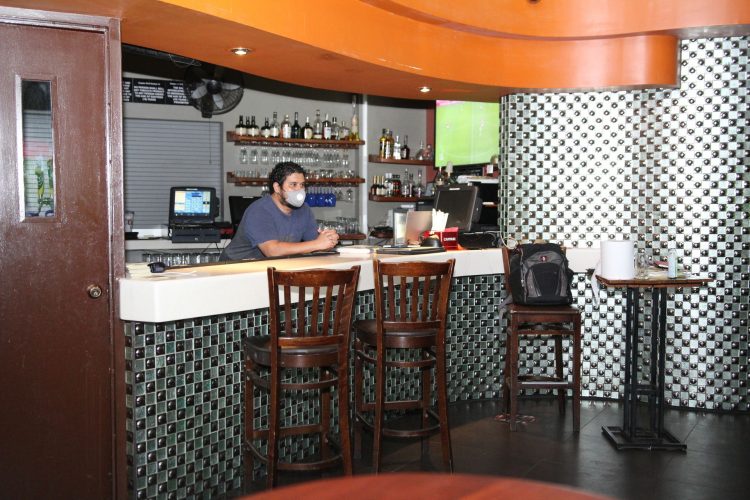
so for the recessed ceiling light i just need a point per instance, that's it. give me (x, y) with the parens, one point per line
(424, 89)
(240, 51)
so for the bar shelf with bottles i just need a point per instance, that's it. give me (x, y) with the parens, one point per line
(393, 161)
(237, 180)
(278, 141)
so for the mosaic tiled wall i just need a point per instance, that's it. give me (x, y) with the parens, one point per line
(665, 167)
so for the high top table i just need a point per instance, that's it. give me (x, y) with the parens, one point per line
(630, 435)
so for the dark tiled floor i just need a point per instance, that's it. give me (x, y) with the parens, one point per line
(716, 465)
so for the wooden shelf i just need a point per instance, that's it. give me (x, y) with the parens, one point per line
(373, 197)
(262, 181)
(377, 159)
(355, 236)
(297, 143)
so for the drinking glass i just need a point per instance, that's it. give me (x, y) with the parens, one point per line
(641, 266)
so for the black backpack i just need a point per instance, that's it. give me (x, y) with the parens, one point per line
(539, 275)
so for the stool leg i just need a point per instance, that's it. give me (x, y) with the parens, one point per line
(325, 415)
(513, 375)
(426, 400)
(343, 389)
(577, 375)
(442, 397)
(506, 375)
(359, 382)
(377, 437)
(249, 418)
(273, 427)
(561, 393)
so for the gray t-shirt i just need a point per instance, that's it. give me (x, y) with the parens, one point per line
(263, 221)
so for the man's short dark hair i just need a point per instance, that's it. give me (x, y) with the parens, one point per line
(281, 171)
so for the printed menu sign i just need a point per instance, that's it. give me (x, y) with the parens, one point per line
(154, 91)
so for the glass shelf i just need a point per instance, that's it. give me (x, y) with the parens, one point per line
(403, 199)
(262, 181)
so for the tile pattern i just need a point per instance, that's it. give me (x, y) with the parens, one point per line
(666, 167)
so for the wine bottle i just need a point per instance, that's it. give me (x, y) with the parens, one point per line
(326, 128)
(296, 129)
(239, 129)
(275, 130)
(374, 187)
(286, 128)
(405, 151)
(265, 130)
(252, 129)
(317, 126)
(307, 130)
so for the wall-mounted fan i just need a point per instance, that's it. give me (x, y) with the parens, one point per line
(213, 90)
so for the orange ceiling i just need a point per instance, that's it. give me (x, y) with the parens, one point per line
(462, 50)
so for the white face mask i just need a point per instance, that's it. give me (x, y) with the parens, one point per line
(295, 198)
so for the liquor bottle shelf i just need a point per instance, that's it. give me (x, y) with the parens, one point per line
(377, 159)
(373, 197)
(299, 143)
(262, 181)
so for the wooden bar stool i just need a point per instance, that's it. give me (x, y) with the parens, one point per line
(411, 304)
(313, 332)
(544, 322)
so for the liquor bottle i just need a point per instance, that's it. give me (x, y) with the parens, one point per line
(296, 129)
(428, 152)
(252, 129)
(420, 152)
(265, 130)
(240, 129)
(275, 131)
(307, 130)
(389, 145)
(354, 130)
(317, 126)
(419, 187)
(397, 149)
(286, 128)
(374, 187)
(327, 128)
(405, 151)
(343, 131)
(407, 186)
(334, 129)
(383, 144)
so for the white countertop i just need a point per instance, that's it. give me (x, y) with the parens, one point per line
(193, 292)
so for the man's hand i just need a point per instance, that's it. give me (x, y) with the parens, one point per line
(328, 238)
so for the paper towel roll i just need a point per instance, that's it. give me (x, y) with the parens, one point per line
(617, 259)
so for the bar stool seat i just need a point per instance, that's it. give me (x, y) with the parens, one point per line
(411, 303)
(259, 349)
(366, 331)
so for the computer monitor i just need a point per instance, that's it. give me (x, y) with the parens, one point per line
(192, 205)
(462, 204)
(237, 207)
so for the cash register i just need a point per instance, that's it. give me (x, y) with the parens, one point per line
(192, 211)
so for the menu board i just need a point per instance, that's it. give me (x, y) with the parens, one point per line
(149, 91)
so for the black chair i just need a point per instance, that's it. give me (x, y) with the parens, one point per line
(237, 207)
(556, 322)
(310, 319)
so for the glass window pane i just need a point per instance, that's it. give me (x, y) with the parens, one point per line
(38, 149)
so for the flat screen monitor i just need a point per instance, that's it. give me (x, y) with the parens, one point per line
(192, 205)
(466, 133)
(461, 203)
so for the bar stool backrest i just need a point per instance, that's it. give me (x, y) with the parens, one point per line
(412, 296)
(311, 308)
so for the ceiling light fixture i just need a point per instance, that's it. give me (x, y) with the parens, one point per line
(240, 51)
(424, 89)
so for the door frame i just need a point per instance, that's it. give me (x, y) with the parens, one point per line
(110, 29)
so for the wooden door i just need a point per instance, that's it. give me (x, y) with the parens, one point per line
(56, 342)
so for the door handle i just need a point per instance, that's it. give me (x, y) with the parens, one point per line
(95, 291)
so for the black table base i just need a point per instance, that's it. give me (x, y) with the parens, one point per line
(631, 435)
